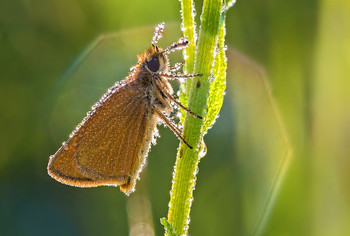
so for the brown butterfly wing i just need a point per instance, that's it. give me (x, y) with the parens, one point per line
(110, 146)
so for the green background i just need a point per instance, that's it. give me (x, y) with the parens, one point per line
(253, 178)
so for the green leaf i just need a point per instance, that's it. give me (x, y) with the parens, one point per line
(218, 85)
(169, 230)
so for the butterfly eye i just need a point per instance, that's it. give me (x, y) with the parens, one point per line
(153, 65)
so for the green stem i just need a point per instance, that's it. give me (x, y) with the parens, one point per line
(186, 166)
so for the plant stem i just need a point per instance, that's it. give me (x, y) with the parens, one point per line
(186, 166)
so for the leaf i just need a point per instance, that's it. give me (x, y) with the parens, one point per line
(218, 85)
(169, 230)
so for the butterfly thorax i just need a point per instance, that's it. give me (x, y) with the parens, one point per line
(151, 65)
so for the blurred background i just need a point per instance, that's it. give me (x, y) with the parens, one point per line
(278, 156)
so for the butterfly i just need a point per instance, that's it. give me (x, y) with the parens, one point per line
(110, 145)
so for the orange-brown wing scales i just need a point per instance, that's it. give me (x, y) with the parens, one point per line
(106, 150)
(116, 154)
(135, 145)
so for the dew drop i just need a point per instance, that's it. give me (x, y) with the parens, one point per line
(202, 150)
(230, 4)
(212, 78)
(178, 115)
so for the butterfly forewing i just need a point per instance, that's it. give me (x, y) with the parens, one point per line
(105, 150)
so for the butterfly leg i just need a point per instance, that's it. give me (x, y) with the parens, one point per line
(177, 67)
(172, 126)
(180, 105)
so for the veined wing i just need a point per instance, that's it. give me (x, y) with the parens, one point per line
(110, 146)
